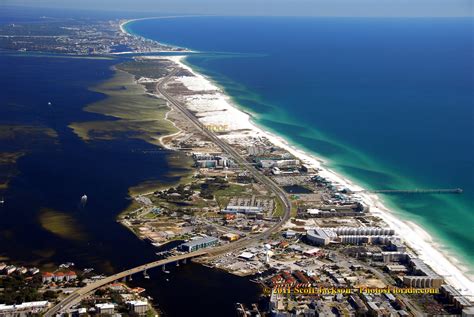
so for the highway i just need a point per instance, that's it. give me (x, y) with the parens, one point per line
(77, 296)
(272, 186)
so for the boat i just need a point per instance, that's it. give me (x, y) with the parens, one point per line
(167, 272)
(2, 201)
(84, 200)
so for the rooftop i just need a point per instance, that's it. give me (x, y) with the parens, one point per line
(105, 306)
(199, 241)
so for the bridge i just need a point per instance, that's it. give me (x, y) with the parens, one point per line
(76, 297)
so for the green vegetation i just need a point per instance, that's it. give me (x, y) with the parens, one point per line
(8, 167)
(279, 210)
(22, 133)
(137, 114)
(208, 188)
(175, 194)
(213, 193)
(60, 224)
(145, 68)
(223, 196)
(17, 288)
(178, 199)
(20, 138)
(179, 167)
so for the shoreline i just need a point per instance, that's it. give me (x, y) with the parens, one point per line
(122, 24)
(416, 237)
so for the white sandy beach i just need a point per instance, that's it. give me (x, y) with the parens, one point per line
(214, 107)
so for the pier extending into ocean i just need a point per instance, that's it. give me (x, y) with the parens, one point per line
(414, 191)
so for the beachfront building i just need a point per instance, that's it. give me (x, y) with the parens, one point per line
(423, 281)
(454, 297)
(255, 150)
(197, 244)
(351, 235)
(394, 256)
(356, 239)
(277, 162)
(425, 276)
(363, 231)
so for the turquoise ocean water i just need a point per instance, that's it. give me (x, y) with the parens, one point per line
(386, 102)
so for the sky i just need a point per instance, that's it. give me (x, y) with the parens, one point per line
(382, 8)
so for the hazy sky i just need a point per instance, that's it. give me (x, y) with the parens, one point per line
(269, 7)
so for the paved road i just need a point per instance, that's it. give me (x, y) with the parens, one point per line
(77, 296)
(226, 147)
(272, 186)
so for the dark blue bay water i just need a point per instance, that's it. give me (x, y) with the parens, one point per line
(55, 174)
(387, 102)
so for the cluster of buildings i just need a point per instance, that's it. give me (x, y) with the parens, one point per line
(126, 301)
(10, 269)
(343, 247)
(79, 37)
(58, 277)
(421, 275)
(24, 309)
(206, 160)
(327, 291)
(451, 296)
(249, 205)
(138, 307)
(361, 235)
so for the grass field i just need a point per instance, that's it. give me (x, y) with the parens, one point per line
(132, 113)
(19, 139)
(60, 224)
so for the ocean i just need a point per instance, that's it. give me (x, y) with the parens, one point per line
(386, 102)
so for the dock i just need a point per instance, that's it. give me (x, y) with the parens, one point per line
(414, 191)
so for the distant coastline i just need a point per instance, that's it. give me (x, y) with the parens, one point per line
(123, 29)
(417, 238)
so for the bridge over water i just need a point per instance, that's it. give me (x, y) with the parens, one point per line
(76, 297)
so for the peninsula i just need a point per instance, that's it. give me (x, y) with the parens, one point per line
(248, 203)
